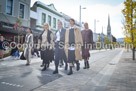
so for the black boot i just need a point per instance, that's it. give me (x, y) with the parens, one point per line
(85, 65)
(27, 64)
(44, 68)
(70, 72)
(42, 64)
(56, 71)
(78, 65)
(66, 66)
(48, 65)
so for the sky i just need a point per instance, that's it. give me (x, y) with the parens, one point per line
(95, 9)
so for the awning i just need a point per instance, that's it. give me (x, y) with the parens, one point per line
(16, 29)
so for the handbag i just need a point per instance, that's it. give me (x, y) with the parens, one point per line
(22, 56)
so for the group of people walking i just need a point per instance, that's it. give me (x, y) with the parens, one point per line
(70, 46)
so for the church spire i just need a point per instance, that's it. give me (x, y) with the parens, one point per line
(108, 20)
(109, 26)
(109, 29)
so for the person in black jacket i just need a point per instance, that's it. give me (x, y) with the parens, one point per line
(45, 44)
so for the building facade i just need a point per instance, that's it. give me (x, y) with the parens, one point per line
(14, 19)
(41, 13)
(66, 21)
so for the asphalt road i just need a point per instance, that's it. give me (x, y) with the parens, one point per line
(24, 78)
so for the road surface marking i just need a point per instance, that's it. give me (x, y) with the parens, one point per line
(11, 84)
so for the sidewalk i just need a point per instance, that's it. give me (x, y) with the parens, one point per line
(124, 77)
(95, 51)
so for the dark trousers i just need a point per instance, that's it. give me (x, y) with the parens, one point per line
(36, 51)
(59, 55)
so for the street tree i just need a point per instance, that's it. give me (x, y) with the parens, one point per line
(129, 13)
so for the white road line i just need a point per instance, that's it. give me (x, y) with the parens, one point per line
(11, 84)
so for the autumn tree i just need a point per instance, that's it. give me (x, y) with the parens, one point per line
(106, 41)
(129, 13)
(99, 43)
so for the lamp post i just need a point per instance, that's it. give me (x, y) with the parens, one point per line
(80, 14)
(95, 36)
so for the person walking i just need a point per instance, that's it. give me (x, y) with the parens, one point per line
(15, 53)
(1, 47)
(73, 44)
(45, 44)
(29, 45)
(59, 47)
(87, 36)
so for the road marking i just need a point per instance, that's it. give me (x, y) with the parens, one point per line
(3, 64)
(11, 84)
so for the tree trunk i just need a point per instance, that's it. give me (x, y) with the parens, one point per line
(133, 53)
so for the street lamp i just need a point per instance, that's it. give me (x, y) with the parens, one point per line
(80, 14)
(95, 35)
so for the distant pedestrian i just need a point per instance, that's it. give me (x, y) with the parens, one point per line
(87, 36)
(73, 43)
(32, 52)
(59, 47)
(36, 51)
(29, 45)
(45, 44)
(15, 53)
(1, 47)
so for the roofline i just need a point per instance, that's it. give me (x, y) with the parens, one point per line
(46, 8)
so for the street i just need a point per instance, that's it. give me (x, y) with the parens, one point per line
(15, 76)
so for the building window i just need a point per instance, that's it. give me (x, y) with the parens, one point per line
(49, 20)
(9, 7)
(22, 11)
(43, 18)
(54, 22)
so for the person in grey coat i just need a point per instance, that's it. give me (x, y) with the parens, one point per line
(28, 46)
(59, 47)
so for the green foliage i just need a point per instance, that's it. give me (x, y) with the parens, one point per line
(129, 13)
(18, 21)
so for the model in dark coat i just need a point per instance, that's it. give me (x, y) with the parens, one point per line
(45, 44)
(87, 36)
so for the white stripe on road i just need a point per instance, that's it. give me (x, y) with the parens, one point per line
(11, 84)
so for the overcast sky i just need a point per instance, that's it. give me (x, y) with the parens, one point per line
(95, 9)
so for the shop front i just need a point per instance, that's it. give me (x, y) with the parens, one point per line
(12, 32)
